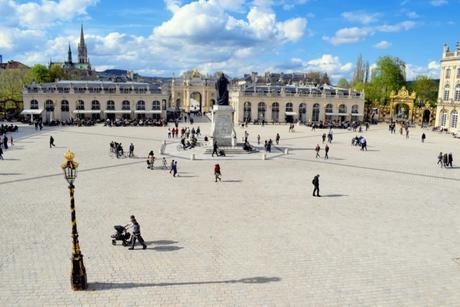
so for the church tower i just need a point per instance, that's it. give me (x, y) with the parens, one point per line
(69, 56)
(82, 51)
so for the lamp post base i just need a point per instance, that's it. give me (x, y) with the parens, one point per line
(78, 278)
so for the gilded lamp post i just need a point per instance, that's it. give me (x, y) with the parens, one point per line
(78, 275)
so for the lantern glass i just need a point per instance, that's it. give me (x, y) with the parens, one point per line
(70, 174)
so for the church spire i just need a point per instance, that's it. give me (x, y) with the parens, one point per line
(69, 55)
(82, 51)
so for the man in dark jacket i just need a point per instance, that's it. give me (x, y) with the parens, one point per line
(214, 149)
(52, 142)
(136, 234)
(316, 185)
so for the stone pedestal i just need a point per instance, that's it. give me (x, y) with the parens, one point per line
(222, 125)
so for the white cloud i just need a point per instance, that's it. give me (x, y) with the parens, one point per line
(432, 70)
(356, 34)
(438, 2)
(382, 45)
(412, 15)
(361, 17)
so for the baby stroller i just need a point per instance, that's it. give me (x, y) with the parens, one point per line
(120, 235)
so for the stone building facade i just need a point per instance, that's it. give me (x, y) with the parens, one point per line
(448, 105)
(64, 100)
(307, 104)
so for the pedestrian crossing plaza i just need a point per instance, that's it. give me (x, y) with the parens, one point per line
(385, 231)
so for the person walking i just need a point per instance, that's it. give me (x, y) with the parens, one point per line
(315, 183)
(317, 149)
(1, 153)
(323, 137)
(407, 132)
(439, 159)
(11, 140)
(131, 150)
(326, 150)
(136, 234)
(151, 160)
(174, 169)
(217, 172)
(214, 149)
(450, 159)
(445, 160)
(172, 166)
(5, 142)
(277, 138)
(258, 139)
(423, 137)
(52, 142)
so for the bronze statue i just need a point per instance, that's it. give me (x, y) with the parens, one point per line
(222, 90)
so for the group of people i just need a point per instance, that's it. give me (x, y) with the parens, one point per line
(4, 144)
(117, 149)
(329, 136)
(326, 151)
(184, 132)
(445, 160)
(151, 161)
(360, 141)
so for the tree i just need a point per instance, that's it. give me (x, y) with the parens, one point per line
(56, 72)
(317, 77)
(426, 90)
(39, 74)
(343, 83)
(12, 82)
(389, 75)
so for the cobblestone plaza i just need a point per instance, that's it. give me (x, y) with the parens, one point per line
(385, 233)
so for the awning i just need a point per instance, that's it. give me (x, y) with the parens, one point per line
(290, 113)
(32, 111)
(337, 114)
(147, 111)
(117, 111)
(87, 111)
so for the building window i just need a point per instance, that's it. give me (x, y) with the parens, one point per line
(49, 106)
(448, 73)
(125, 105)
(303, 112)
(342, 108)
(95, 105)
(443, 119)
(163, 103)
(110, 105)
(289, 107)
(329, 108)
(446, 92)
(453, 119)
(140, 105)
(34, 104)
(156, 105)
(457, 92)
(355, 109)
(64, 106)
(247, 111)
(261, 108)
(315, 113)
(458, 73)
(80, 105)
(276, 112)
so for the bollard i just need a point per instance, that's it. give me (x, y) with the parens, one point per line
(264, 156)
(286, 151)
(192, 156)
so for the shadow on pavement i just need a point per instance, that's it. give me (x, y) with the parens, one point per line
(166, 248)
(98, 286)
(334, 195)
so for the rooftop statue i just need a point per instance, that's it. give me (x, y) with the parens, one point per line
(222, 90)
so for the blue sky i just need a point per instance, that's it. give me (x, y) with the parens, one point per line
(236, 36)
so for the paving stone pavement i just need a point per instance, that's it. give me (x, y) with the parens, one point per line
(385, 233)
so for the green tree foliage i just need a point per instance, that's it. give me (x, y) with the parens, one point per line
(39, 74)
(317, 77)
(57, 72)
(426, 90)
(361, 73)
(388, 75)
(12, 82)
(343, 83)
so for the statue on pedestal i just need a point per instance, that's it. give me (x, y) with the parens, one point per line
(222, 90)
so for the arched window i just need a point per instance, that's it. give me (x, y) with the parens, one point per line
(110, 105)
(247, 111)
(261, 108)
(140, 105)
(453, 119)
(443, 118)
(448, 73)
(275, 112)
(446, 92)
(49, 106)
(34, 104)
(156, 105)
(95, 105)
(303, 112)
(80, 105)
(289, 107)
(329, 108)
(342, 108)
(125, 105)
(315, 113)
(355, 109)
(163, 103)
(457, 92)
(64, 106)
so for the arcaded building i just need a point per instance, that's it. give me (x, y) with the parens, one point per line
(449, 90)
(64, 100)
(293, 103)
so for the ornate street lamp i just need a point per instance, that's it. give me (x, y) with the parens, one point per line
(78, 277)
